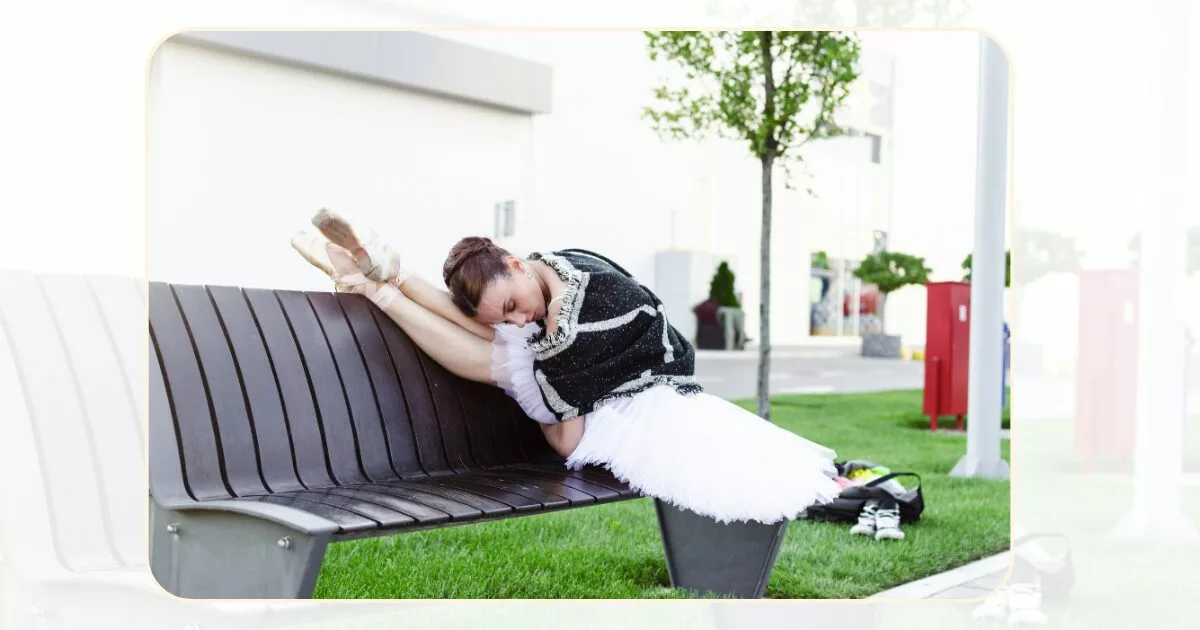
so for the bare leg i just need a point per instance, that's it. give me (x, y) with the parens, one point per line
(381, 263)
(455, 349)
(564, 437)
(438, 301)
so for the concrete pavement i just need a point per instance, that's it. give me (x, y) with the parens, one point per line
(820, 367)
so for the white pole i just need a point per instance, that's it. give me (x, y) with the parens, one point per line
(1158, 450)
(841, 295)
(857, 301)
(987, 273)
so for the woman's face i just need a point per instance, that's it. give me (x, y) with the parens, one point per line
(513, 298)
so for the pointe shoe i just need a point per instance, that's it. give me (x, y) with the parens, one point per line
(334, 261)
(375, 259)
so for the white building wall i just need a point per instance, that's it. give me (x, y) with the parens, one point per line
(243, 151)
(263, 144)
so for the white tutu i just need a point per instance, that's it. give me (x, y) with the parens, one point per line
(697, 452)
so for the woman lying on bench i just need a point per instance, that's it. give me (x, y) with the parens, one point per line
(588, 353)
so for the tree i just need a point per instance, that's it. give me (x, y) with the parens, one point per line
(889, 272)
(966, 267)
(721, 289)
(775, 90)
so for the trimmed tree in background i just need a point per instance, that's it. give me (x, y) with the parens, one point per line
(721, 289)
(890, 272)
(775, 90)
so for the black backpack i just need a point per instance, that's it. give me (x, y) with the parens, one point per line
(850, 502)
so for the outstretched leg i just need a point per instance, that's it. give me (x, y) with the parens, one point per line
(380, 262)
(457, 350)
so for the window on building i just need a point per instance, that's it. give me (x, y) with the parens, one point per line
(876, 147)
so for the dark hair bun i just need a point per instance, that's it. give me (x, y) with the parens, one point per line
(465, 250)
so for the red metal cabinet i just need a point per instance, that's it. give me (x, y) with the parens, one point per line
(947, 348)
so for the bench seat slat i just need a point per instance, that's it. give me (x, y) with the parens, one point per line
(486, 506)
(593, 489)
(550, 488)
(457, 510)
(348, 521)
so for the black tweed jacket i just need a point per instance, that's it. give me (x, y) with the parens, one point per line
(612, 339)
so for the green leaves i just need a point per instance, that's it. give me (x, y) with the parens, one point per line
(721, 288)
(890, 271)
(966, 266)
(718, 85)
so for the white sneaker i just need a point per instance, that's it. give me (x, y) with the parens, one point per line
(866, 521)
(994, 607)
(1025, 605)
(887, 524)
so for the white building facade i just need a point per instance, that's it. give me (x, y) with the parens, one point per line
(533, 138)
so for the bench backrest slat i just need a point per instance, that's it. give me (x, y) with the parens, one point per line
(358, 390)
(308, 447)
(389, 391)
(406, 359)
(332, 411)
(268, 391)
(202, 461)
(224, 390)
(260, 389)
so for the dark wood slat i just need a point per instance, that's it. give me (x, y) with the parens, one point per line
(457, 510)
(349, 522)
(445, 398)
(423, 418)
(299, 408)
(481, 421)
(523, 488)
(535, 486)
(599, 491)
(201, 457)
(421, 513)
(518, 502)
(533, 442)
(166, 472)
(224, 390)
(326, 386)
(357, 388)
(505, 413)
(387, 518)
(489, 507)
(261, 389)
(397, 425)
(593, 474)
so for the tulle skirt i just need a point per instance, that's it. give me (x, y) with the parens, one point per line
(697, 452)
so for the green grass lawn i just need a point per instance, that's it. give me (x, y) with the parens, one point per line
(614, 550)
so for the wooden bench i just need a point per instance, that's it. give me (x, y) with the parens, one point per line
(282, 421)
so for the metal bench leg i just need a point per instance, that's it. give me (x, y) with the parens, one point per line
(727, 559)
(203, 554)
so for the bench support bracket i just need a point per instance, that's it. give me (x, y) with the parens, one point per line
(222, 554)
(727, 559)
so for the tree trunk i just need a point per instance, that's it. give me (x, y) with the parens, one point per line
(764, 307)
(880, 308)
(770, 145)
